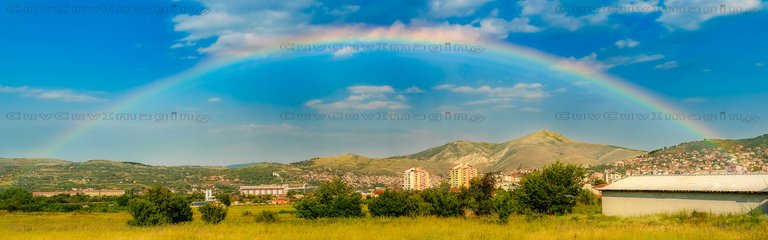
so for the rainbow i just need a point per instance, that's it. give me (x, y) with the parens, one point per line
(508, 51)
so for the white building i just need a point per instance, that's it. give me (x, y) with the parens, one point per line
(209, 195)
(646, 195)
(274, 190)
(416, 179)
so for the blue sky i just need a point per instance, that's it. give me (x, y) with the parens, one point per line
(75, 57)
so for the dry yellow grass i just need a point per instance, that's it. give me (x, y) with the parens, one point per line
(237, 226)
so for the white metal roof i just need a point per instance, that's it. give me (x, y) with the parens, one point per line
(693, 183)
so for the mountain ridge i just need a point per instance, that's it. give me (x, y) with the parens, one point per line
(533, 150)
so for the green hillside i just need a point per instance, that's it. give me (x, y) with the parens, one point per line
(531, 151)
(712, 144)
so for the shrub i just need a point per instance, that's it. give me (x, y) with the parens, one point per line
(224, 198)
(505, 204)
(266, 216)
(390, 204)
(16, 199)
(442, 202)
(213, 213)
(159, 206)
(333, 199)
(146, 213)
(247, 213)
(478, 198)
(554, 190)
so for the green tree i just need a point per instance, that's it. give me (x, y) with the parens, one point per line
(442, 202)
(553, 190)
(16, 199)
(213, 213)
(159, 206)
(146, 213)
(479, 196)
(224, 198)
(505, 204)
(390, 204)
(333, 199)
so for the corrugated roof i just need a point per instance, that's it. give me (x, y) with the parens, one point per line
(693, 183)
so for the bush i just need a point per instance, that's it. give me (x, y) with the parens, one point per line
(146, 213)
(505, 204)
(266, 217)
(554, 190)
(390, 204)
(159, 206)
(247, 213)
(213, 213)
(224, 198)
(16, 199)
(442, 202)
(478, 198)
(333, 199)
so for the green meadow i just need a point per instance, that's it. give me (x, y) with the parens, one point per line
(241, 225)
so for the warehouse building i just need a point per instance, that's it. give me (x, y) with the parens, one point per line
(647, 195)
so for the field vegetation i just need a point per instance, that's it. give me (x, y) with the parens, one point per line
(581, 224)
(548, 204)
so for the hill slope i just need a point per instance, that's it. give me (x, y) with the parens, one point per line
(711, 144)
(531, 151)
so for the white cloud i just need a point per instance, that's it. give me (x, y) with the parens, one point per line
(759, 64)
(500, 28)
(667, 65)
(363, 97)
(627, 43)
(675, 14)
(689, 14)
(215, 99)
(65, 95)
(454, 8)
(413, 89)
(548, 12)
(344, 52)
(241, 28)
(371, 89)
(623, 60)
(591, 61)
(499, 95)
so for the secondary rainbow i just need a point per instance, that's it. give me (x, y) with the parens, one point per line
(580, 73)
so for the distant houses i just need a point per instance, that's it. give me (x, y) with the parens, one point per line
(279, 190)
(87, 192)
(260, 190)
(647, 195)
(461, 175)
(416, 179)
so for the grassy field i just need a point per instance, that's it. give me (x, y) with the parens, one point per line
(575, 226)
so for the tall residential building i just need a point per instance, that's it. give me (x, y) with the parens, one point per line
(462, 174)
(416, 179)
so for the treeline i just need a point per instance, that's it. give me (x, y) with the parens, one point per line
(17, 199)
(556, 190)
